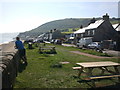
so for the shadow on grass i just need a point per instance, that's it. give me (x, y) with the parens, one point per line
(47, 52)
(116, 86)
(22, 67)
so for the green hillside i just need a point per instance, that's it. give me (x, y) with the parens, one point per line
(65, 25)
(62, 24)
(59, 25)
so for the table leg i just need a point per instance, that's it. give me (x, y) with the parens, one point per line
(117, 71)
(89, 75)
(80, 71)
(103, 70)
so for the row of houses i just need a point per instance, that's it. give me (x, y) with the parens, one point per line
(52, 34)
(98, 30)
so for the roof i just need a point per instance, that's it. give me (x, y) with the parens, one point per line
(95, 25)
(41, 35)
(116, 27)
(80, 30)
(91, 26)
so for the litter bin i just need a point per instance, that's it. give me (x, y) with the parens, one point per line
(30, 45)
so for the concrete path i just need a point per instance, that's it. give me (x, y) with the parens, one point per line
(69, 45)
(7, 48)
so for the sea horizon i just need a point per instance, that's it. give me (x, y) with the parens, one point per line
(8, 37)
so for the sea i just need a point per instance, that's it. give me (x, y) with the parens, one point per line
(7, 37)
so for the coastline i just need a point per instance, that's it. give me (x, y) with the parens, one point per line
(7, 47)
(7, 41)
(8, 37)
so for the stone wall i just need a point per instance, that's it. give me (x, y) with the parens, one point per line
(9, 63)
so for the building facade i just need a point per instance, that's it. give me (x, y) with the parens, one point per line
(100, 30)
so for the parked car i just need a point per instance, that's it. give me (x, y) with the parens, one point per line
(58, 41)
(95, 45)
(52, 41)
(40, 41)
(28, 40)
(83, 42)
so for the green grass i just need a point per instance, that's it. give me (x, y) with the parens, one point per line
(67, 32)
(40, 74)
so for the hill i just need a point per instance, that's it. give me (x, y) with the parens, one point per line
(57, 24)
(62, 24)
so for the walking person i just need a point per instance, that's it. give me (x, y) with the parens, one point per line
(22, 52)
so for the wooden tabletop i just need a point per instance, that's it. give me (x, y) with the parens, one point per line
(98, 64)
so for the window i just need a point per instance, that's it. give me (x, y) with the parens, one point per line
(93, 32)
(81, 35)
(88, 32)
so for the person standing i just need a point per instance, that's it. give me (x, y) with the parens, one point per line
(22, 52)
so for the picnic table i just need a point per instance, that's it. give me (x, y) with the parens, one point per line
(102, 67)
(47, 48)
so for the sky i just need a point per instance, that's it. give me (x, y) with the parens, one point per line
(25, 15)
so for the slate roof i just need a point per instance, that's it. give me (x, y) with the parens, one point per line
(91, 26)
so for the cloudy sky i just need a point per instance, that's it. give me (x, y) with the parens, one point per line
(24, 15)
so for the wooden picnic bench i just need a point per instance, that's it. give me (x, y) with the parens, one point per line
(47, 48)
(102, 66)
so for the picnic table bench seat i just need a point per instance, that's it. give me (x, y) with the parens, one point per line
(46, 48)
(76, 68)
(101, 77)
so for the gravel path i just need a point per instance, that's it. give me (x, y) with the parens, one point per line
(69, 45)
(89, 55)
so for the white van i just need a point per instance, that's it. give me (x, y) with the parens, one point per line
(83, 42)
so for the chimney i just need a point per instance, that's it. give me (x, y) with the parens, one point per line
(106, 17)
(55, 29)
(81, 26)
(51, 31)
(92, 20)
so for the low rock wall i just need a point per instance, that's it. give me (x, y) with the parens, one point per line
(9, 63)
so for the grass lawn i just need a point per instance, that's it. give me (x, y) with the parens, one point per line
(40, 74)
